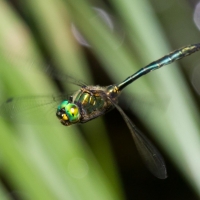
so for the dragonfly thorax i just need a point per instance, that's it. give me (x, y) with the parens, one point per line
(68, 113)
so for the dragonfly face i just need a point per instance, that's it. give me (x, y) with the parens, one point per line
(68, 113)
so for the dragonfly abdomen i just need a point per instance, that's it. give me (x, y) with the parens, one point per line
(171, 57)
(176, 55)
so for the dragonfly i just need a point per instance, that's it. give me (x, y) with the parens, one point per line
(90, 102)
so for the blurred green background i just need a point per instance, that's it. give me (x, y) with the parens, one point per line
(98, 160)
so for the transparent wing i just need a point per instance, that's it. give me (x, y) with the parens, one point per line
(49, 69)
(63, 77)
(150, 155)
(31, 108)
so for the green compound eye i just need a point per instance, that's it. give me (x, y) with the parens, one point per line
(72, 113)
(63, 105)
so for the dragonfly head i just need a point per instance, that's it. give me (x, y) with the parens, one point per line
(68, 113)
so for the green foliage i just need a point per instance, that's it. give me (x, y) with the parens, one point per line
(54, 162)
